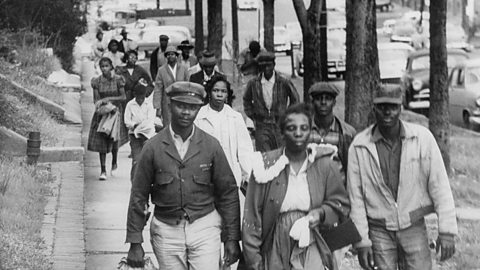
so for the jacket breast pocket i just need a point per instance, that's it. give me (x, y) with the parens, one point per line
(163, 178)
(202, 186)
(165, 189)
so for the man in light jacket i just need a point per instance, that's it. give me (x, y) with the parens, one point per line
(395, 177)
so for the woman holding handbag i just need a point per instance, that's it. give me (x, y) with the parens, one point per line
(293, 194)
(107, 88)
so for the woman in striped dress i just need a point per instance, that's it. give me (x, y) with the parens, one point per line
(107, 87)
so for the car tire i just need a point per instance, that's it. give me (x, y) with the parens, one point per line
(466, 120)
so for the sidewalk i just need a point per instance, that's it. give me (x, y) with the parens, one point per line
(106, 202)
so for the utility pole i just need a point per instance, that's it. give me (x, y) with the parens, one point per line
(199, 39)
(235, 30)
(323, 42)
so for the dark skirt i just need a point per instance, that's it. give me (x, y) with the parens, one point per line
(102, 143)
(285, 253)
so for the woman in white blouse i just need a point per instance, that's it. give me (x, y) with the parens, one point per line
(218, 119)
(293, 192)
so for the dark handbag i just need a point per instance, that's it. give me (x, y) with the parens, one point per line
(341, 235)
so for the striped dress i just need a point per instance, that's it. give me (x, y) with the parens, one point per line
(99, 142)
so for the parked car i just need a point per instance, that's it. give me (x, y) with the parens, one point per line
(336, 58)
(404, 30)
(464, 94)
(416, 78)
(392, 58)
(281, 38)
(384, 5)
(247, 4)
(149, 40)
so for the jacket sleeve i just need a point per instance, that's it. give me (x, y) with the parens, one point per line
(153, 64)
(139, 194)
(336, 202)
(226, 194)
(158, 90)
(357, 201)
(245, 146)
(248, 100)
(439, 189)
(292, 93)
(252, 225)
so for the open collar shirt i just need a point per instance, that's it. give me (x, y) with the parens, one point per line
(180, 144)
(267, 89)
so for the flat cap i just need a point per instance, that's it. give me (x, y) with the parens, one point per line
(208, 59)
(186, 92)
(164, 37)
(388, 94)
(265, 58)
(323, 87)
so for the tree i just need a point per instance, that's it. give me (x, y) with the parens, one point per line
(309, 20)
(362, 76)
(268, 23)
(439, 115)
(199, 41)
(215, 35)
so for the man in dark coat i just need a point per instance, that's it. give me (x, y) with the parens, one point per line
(158, 59)
(207, 63)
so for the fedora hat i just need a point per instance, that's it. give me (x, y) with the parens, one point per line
(185, 45)
(171, 49)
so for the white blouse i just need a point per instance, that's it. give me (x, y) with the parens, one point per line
(297, 196)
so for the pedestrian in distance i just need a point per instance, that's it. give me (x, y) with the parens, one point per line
(126, 44)
(167, 74)
(98, 48)
(158, 59)
(114, 54)
(266, 98)
(395, 177)
(132, 73)
(208, 64)
(247, 61)
(139, 119)
(294, 191)
(187, 176)
(107, 88)
(185, 57)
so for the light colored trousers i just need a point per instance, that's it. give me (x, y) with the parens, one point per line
(187, 246)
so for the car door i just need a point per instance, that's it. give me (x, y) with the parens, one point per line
(456, 93)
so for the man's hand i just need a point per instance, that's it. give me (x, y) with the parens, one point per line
(232, 252)
(365, 258)
(446, 242)
(135, 255)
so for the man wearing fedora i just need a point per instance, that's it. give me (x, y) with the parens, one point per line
(185, 58)
(158, 59)
(167, 74)
(266, 98)
(185, 173)
(126, 44)
(208, 64)
(396, 177)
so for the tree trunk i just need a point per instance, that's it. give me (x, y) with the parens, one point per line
(310, 23)
(199, 40)
(234, 29)
(362, 76)
(439, 114)
(215, 35)
(268, 23)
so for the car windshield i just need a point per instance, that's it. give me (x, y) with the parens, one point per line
(423, 62)
(472, 75)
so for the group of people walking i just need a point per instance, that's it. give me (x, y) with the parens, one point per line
(312, 186)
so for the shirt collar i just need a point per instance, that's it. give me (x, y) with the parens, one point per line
(177, 137)
(333, 127)
(206, 77)
(272, 79)
(377, 136)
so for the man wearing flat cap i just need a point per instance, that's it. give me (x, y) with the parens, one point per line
(185, 173)
(395, 177)
(167, 74)
(208, 63)
(126, 44)
(266, 98)
(185, 58)
(158, 59)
